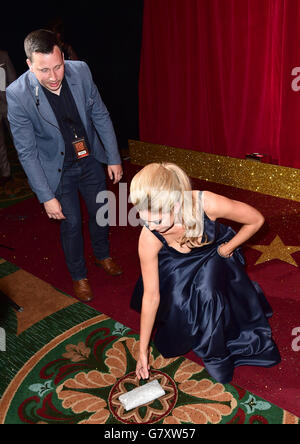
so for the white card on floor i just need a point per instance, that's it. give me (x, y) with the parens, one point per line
(142, 395)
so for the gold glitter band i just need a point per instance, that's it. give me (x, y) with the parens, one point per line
(246, 174)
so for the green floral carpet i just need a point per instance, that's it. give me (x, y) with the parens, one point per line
(72, 366)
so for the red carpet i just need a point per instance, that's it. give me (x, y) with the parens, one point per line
(35, 240)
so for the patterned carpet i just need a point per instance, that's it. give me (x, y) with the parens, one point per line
(66, 363)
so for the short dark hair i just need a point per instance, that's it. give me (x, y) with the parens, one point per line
(42, 41)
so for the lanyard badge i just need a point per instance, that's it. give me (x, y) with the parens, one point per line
(79, 144)
(80, 148)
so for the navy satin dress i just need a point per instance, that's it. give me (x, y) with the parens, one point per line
(209, 305)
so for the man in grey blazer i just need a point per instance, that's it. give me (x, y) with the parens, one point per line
(63, 135)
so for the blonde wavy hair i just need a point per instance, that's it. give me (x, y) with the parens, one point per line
(158, 187)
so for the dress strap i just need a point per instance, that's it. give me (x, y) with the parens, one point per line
(158, 235)
(201, 197)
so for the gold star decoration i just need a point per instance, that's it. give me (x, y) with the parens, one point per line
(276, 250)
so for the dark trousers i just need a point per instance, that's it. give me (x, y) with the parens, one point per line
(86, 177)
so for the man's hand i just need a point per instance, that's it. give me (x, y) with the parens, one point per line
(115, 173)
(53, 209)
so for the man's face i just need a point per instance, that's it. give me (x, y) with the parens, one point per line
(49, 69)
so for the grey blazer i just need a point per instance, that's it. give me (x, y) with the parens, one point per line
(36, 133)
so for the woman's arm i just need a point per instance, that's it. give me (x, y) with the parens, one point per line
(149, 247)
(216, 206)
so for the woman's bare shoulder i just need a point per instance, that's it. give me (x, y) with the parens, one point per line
(149, 244)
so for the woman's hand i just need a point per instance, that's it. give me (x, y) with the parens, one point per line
(142, 367)
(223, 251)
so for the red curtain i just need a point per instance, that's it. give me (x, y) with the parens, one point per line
(220, 76)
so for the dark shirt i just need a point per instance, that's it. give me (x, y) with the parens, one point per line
(68, 118)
